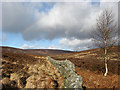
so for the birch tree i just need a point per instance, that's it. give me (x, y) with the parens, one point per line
(105, 34)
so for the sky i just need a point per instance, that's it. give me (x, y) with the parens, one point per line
(50, 25)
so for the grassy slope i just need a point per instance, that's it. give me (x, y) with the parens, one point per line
(92, 59)
(89, 65)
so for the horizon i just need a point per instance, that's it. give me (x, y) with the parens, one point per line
(56, 49)
(51, 25)
(34, 48)
(44, 49)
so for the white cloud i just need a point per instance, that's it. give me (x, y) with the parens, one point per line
(35, 46)
(25, 46)
(109, 0)
(75, 44)
(46, 0)
(63, 20)
(70, 21)
(54, 47)
(15, 0)
(59, 0)
(110, 6)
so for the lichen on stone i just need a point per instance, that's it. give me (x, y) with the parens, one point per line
(67, 69)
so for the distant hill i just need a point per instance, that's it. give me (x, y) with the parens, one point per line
(41, 52)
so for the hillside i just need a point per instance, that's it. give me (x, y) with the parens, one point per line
(89, 64)
(41, 52)
(93, 59)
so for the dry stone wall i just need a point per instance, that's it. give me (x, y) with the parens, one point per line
(67, 69)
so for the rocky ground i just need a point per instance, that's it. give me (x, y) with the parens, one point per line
(44, 72)
(40, 74)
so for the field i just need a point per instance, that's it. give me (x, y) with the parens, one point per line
(89, 64)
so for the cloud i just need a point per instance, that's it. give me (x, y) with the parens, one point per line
(63, 20)
(25, 46)
(75, 44)
(17, 16)
(16, 0)
(109, 0)
(59, 0)
(54, 47)
(70, 21)
(46, 0)
(57, 21)
(35, 46)
(0, 15)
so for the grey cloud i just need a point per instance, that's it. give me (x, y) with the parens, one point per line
(15, 17)
(70, 20)
(63, 20)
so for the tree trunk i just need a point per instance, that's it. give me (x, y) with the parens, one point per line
(106, 68)
(105, 58)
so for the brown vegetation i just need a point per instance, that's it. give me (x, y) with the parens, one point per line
(89, 64)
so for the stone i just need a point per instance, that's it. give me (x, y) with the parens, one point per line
(19, 79)
(6, 81)
(14, 76)
(43, 75)
(67, 69)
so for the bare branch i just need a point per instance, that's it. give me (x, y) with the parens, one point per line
(105, 31)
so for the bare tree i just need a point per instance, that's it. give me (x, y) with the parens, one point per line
(105, 34)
